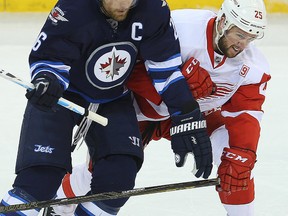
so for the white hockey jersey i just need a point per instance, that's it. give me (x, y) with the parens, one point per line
(241, 81)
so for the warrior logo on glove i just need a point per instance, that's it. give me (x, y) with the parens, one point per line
(188, 127)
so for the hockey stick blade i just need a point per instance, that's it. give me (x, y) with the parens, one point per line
(111, 195)
(63, 102)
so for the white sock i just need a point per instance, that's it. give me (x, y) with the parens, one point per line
(240, 210)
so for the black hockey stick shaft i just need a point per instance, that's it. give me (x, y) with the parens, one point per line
(112, 195)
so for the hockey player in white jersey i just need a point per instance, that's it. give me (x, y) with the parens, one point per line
(223, 45)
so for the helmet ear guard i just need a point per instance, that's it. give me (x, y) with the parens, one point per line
(248, 15)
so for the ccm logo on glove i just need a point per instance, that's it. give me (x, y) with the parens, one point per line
(188, 127)
(234, 156)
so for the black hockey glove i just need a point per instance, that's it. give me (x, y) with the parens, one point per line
(189, 135)
(47, 92)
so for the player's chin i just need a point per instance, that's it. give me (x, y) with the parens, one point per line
(120, 16)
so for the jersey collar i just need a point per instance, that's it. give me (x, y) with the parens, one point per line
(211, 52)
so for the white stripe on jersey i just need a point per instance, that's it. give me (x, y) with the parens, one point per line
(173, 62)
(256, 114)
(162, 85)
(58, 66)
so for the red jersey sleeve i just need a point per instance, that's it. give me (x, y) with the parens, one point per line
(243, 113)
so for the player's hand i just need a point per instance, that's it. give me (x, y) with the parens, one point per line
(198, 79)
(189, 135)
(46, 93)
(235, 169)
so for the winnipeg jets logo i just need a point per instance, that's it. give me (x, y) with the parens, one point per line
(110, 65)
(113, 65)
(57, 15)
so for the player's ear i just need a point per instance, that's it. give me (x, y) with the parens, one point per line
(221, 24)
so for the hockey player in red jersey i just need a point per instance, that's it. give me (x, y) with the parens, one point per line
(228, 75)
(233, 111)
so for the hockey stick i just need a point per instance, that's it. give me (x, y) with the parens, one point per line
(111, 195)
(63, 102)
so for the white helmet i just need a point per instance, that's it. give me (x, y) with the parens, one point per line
(248, 15)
